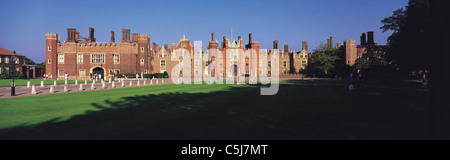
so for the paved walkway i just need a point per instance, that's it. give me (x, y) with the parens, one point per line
(5, 92)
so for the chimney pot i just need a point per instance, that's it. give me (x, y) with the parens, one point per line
(112, 37)
(370, 40)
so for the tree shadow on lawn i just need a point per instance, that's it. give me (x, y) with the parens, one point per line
(299, 111)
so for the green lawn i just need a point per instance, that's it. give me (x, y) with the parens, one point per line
(389, 109)
(23, 82)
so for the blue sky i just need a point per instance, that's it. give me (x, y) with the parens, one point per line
(23, 24)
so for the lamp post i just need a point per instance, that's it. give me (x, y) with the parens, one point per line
(13, 85)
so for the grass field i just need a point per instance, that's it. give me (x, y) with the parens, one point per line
(23, 82)
(385, 109)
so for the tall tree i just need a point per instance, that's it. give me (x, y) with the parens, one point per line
(409, 45)
(323, 61)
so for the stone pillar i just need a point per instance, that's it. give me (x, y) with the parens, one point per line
(65, 88)
(81, 87)
(131, 83)
(54, 83)
(33, 90)
(28, 84)
(52, 90)
(42, 83)
(92, 85)
(34, 72)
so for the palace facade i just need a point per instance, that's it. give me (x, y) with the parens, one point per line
(82, 57)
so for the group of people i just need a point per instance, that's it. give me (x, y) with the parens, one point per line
(46, 76)
(97, 76)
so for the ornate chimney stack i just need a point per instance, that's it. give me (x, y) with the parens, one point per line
(165, 47)
(286, 48)
(91, 35)
(250, 38)
(304, 45)
(275, 44)
(370, 40)
(363, 39)
(71, 34)
(77, 35)
(112, 37)
(212, 36)
(125, 35)
(330, 42)
(173, 47)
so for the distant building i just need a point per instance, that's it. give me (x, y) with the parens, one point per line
(82, 57)
(367, 49)
(6, 62)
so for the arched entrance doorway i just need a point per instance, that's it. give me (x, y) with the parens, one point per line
(99, 71)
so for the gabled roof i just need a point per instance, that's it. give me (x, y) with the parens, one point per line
(5, 52)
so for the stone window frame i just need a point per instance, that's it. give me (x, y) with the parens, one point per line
(142, 49)
(161, 63)
(269, 63)
(59, 73)
(196, 72)
(49, 48)
(49, 61)
(142, 62)
(284, 63)
(61, 58)
(6, 59)
(80, 72)
(303, 63)
(78, 58)
(116, 58)
(101, 55)
(116, 71)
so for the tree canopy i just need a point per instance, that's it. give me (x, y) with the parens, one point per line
(409, 45)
